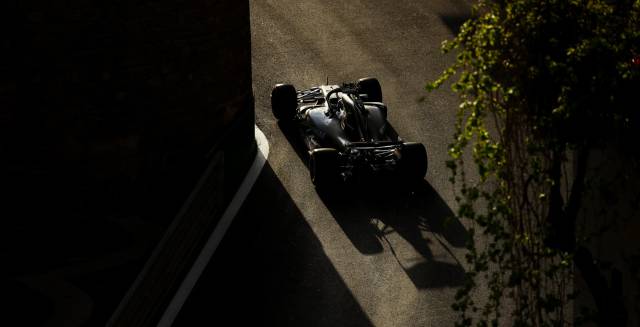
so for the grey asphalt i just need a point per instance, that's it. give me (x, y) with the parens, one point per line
(385, 256)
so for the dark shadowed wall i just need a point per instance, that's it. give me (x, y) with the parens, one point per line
(110, 113)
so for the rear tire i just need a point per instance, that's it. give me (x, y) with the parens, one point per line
(413, 162)
(371, 87)
(323, 167)
(284, 101)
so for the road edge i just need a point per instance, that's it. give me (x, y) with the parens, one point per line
(218, 233)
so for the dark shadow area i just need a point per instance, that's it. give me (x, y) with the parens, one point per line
(293, 136)
(454, 22)
(71, 270)
(360, 207)
(111, 112)
(25, 305)
(369, 211)
(272, 268)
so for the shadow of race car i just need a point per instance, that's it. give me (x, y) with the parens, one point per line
(346, 133)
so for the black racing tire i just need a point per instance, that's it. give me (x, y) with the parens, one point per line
(413, 162)
(371, 87)
(284, 101)
(323, 167)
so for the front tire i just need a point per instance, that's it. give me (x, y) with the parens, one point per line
(284, 101)
(371, 87)
(323, 167)
(413, 162)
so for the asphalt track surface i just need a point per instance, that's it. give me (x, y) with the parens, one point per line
(376, 255)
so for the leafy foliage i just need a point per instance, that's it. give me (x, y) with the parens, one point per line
(542, 84)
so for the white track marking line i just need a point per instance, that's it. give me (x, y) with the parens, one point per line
(214, 239)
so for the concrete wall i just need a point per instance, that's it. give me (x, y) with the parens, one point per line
(111, 111)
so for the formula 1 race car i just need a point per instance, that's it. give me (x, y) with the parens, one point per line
(346, 132)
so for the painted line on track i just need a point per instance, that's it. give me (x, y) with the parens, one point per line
(214, 239)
